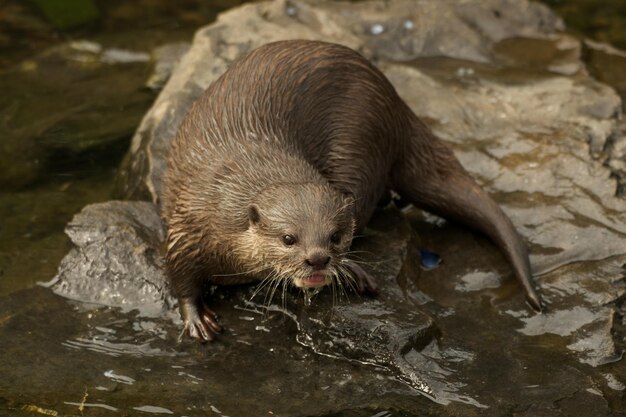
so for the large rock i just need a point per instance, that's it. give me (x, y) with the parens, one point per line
(535, 142)
(116, 261)
(399, 30)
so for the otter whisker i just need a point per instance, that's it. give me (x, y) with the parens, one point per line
(277, 281)
(262, 284)
(268, 287)
(260, 287)
(354, 252)
(341, 278)
(337, 286)
(338, 278)
(284, 289)
(234, 274)
(350, 280)
(333, 286)
(369, 263)
(357, 259)
(269, 294)
(349, 252)
(337, 282)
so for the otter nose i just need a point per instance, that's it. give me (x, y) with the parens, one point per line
(318, 261)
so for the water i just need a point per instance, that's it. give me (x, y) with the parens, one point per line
(67, 117)
(601, 21)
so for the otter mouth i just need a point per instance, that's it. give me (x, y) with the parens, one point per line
(312, 281)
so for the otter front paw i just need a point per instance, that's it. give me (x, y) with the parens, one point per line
(200, 324)
(364, 282)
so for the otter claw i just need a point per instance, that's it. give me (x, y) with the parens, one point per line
(199, 330)
(365, 283)
(210, 319)
(201, 326)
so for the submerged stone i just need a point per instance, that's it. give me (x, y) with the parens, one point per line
(97, 119)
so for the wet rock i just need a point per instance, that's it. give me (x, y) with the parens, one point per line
(19, 19)
(167, 58)
(600, 21)
(596, 343)
(608, 64)
(115, 260)
(531, 143)
(399, 339)
(400, 31)
(32, 243)
(616, 157)
(558, 53)
(385, 331)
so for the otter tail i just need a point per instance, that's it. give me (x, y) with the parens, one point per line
(429, 176)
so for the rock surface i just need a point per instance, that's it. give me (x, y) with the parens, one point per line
(399, 30)
(115, 260)
(498, 82)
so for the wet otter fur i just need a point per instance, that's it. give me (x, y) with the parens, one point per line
(284, 157)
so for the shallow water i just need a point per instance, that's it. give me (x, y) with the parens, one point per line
(100, 361)
(69, 110)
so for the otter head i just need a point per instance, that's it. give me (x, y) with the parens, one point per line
(301, 232)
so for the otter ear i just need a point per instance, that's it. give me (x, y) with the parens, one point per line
(253, 214)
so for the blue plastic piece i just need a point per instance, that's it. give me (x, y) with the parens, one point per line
(430, 260)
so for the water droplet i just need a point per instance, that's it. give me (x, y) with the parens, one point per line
(291, 10)
(309, 293)
(463, 72)
(377, 29)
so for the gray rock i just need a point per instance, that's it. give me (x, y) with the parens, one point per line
(166, 57)
(383, 331)
(530, 144)
(115, 260)
(408, 29)
(616, 158)
(608, 64)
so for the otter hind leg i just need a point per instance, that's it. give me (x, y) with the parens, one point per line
(430, 177)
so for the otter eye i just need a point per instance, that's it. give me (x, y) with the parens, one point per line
(289, 240)
(336, 237)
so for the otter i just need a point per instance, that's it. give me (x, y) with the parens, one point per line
(284, 157)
